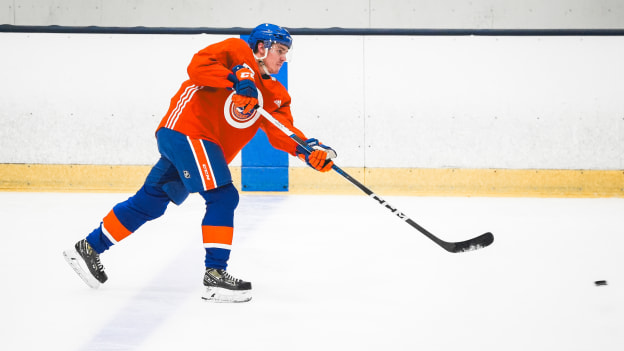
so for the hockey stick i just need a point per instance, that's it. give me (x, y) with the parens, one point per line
(478, 242)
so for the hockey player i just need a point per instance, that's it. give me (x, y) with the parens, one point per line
(210, 119)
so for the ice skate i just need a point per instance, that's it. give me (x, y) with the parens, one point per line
(220, 286)
(86, 262)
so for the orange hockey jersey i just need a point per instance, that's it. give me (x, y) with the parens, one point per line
(202, 108)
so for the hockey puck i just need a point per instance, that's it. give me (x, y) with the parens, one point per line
(600, 282)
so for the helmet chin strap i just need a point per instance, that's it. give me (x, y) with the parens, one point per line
(261, 62)
(266, 70)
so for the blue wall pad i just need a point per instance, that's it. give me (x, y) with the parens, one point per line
(264, 168)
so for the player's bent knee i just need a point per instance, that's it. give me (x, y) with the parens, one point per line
(150, 202)
(226, 196)
(176, 191)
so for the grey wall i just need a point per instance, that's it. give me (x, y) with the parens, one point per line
(382, 101)
(483, 14)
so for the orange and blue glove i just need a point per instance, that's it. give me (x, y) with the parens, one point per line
(246, 96)
(320, 158)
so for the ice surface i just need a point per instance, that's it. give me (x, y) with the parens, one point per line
(328, 273)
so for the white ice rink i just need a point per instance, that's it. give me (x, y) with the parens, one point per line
(328, 273)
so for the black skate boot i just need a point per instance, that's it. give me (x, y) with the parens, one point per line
(222, 287)
(86, 263)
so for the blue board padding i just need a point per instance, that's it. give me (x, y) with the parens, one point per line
(265, 168)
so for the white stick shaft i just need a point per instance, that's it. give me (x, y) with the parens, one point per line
(284, 129)
(275, 122)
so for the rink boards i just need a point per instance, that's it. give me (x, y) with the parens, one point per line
(389, 181)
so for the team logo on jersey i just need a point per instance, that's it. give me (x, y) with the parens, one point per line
(278, 103)
(234, 115)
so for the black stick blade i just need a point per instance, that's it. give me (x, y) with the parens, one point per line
(477, 243)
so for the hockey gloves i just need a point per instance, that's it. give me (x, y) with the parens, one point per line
(246, 96)
(320, 158)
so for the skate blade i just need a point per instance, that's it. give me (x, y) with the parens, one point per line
(77, 263)
(214, 294)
